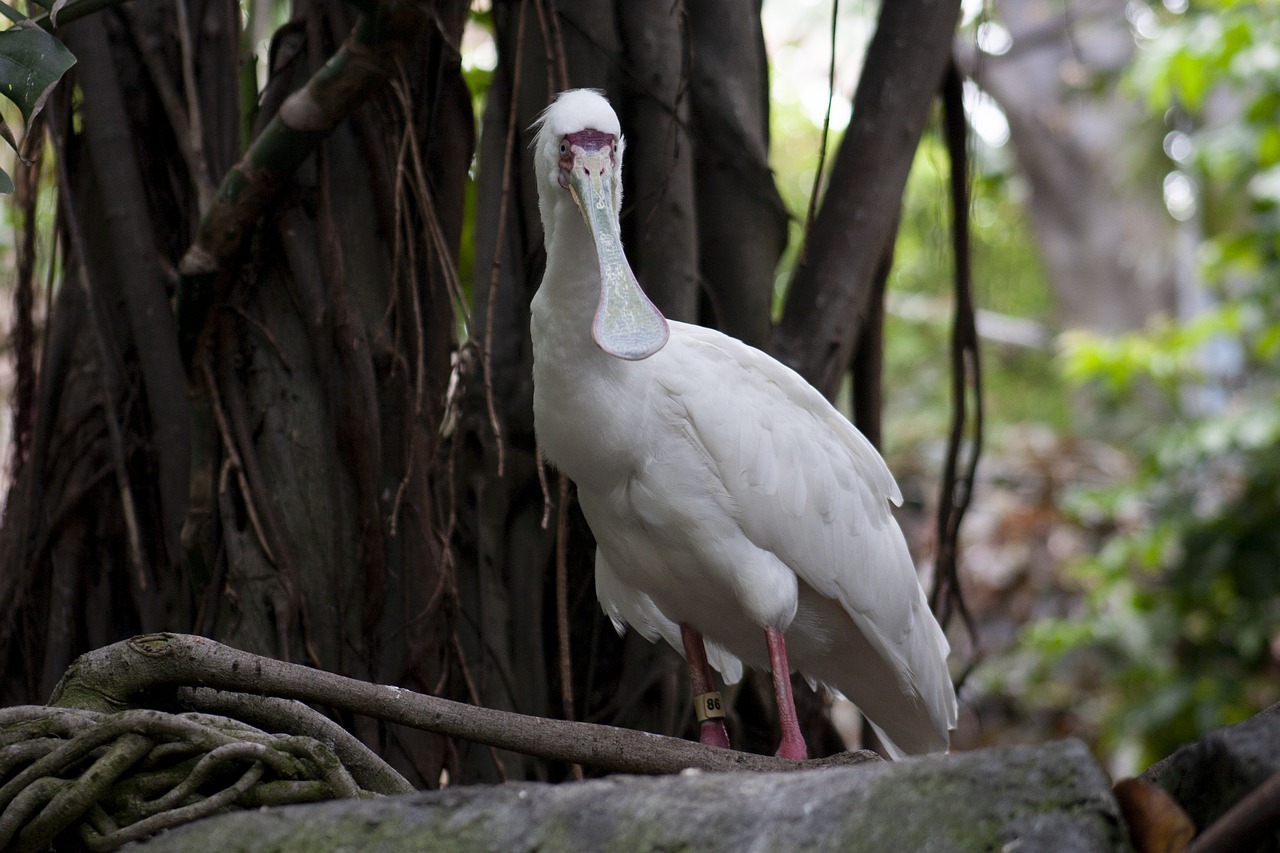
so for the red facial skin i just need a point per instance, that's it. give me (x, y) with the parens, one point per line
(586, 140)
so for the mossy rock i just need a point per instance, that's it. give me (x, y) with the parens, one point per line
(1047, 798)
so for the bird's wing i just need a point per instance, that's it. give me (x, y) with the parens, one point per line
(808, 486)
(625, 605)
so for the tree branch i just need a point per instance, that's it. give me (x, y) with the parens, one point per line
(131, 258)
(827, 301)
(964, 444)
(1245, 824)
(116, 676)
(366, 60)
(741, 219)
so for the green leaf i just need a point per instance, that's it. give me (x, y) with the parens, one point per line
(1189, 79)
(1269, 147)
(7, 134)
(6, 183)
(31, 63)
(1235, 38)
(1264, 107)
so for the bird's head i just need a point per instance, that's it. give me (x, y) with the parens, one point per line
(578, 152)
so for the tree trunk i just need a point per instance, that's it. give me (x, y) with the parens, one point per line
(827, 303)
(316, 474)
(1109, 244)
(341, 479)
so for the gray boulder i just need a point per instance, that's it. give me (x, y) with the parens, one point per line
(1208, 777)
(1046, 798)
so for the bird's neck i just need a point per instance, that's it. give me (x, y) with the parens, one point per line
(575, 383)
(564, 307)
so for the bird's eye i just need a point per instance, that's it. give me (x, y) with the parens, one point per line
(564, 147)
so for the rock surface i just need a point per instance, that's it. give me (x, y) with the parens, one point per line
(1047, 798)
(1208, 777)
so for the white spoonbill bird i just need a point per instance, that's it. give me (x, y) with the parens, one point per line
(730, 502)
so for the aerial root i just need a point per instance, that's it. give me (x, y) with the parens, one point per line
(113, 778)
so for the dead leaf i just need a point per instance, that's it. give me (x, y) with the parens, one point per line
(1157, 824)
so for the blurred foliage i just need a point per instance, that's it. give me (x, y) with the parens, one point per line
(479, 59)
(1022, 384)
(1168, 357)
(1008, 277)
(1178, 631)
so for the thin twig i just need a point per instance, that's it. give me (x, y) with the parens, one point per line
(421, 188)
(553, 86)
(826, 130)
(541, 466)
(562, 608)
(422, 192)
(148, 42)
(262, 329)
(557, 41)
(473, 693)
(486, 360)
(966, 373)
(107, 361)
(407, 273)
(233, 458)
(195, 124)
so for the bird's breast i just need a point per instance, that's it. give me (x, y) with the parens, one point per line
(590, 417)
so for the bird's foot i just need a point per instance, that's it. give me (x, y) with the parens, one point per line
(713, 734)
(793, 748)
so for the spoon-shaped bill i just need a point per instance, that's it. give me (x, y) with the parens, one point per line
(626, 325)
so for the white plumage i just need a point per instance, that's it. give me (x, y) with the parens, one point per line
(725, 493)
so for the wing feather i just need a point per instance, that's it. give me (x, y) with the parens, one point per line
(785, 454)
(625, 605)
(788, 458)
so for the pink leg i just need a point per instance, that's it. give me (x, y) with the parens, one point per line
(792, 745)
(695, 654)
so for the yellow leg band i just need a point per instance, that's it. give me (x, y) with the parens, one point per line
(708, 706)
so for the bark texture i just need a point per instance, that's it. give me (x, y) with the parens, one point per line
(347, 475)
(288, 493)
